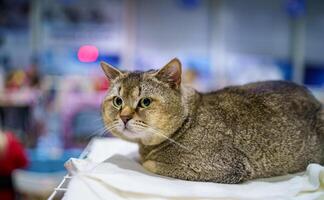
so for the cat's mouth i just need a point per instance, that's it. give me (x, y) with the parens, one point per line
(128, 130)
(138, 133)
(130, 133)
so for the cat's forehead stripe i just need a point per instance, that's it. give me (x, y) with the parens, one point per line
(130, 85)
(139, 90)
(135, 92)
(119, 88)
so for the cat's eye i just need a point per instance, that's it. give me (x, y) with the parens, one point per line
(117, 102)
(145, 102)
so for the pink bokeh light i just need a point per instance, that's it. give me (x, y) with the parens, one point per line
(88, 53)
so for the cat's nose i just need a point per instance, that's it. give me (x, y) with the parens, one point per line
(126, 118)
(126, 114)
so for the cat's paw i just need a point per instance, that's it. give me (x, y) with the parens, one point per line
(150, 166)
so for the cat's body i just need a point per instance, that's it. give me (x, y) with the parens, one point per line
(235, 134)
(241, 133)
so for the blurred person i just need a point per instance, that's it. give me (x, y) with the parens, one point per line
(33, 77)
(12, 156)
(15, 80)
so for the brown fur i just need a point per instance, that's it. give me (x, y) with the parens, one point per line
(232, 135)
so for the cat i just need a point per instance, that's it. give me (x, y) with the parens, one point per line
(232, 135)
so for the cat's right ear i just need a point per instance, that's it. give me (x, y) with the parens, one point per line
(110, 71)
(171, 73)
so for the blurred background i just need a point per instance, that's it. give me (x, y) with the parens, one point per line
(51, 85)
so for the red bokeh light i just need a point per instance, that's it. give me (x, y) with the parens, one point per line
(88, 53)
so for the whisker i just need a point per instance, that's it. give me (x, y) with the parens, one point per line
(157, 132)
(102, 130)
(172, 140)
(111, 127)
(99, 132)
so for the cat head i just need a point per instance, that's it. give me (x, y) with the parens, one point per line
(144, 107)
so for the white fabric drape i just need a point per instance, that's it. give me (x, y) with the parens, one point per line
(111, 172)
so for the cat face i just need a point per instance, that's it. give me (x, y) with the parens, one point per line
(143, 107)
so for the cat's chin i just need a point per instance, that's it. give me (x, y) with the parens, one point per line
(141, 138)
(138, 137)
(132, 136)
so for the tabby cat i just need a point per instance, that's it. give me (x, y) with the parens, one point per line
(235, 134)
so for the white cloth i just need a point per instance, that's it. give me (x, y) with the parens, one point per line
(121, 177)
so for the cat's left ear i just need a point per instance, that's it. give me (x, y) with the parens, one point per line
(110, 71)
(171, 73)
